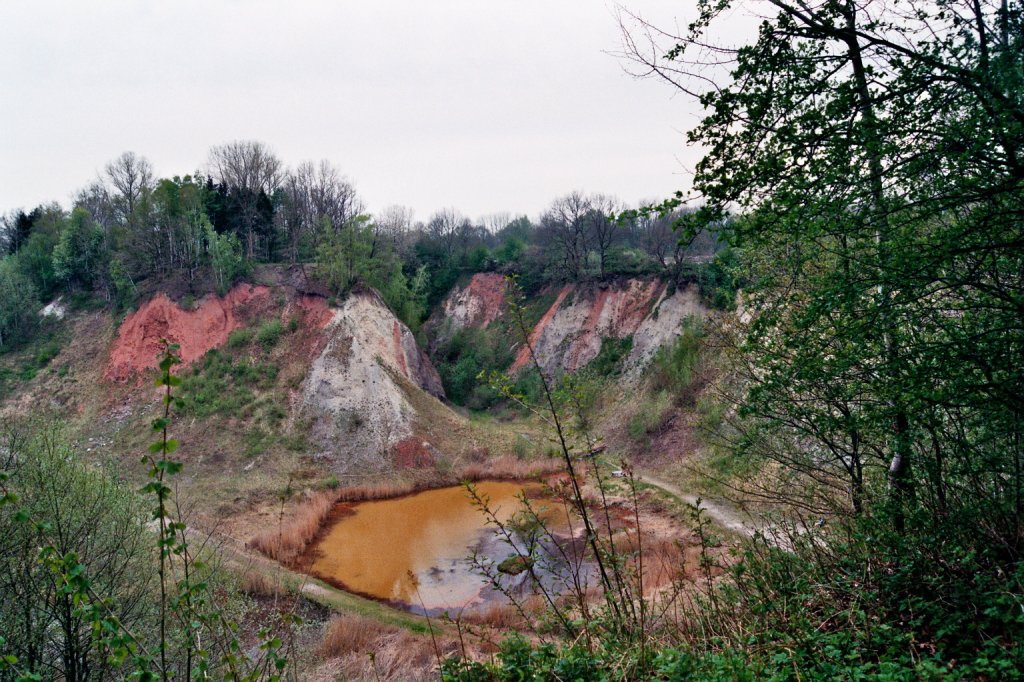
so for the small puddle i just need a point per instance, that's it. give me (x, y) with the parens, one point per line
(384, 548)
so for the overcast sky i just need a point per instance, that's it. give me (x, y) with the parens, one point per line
(483, 106)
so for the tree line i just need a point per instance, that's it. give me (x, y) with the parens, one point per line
(209, 228)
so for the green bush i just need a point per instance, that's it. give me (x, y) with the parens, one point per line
(269, 333)
(46, 353)
(239, 337)
(462, 358)
(609, 360)
(651, 416)
(675, 367)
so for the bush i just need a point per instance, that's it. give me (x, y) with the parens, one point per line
(651, 416)
(609, 360)
(239, 337)
(269, 332)
(675, 367)
(462, 358)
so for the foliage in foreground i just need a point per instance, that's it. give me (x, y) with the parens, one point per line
(871, 604)
(93, 592)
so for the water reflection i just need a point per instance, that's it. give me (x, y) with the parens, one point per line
(386, 548)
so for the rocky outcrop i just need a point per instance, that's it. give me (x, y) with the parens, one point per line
(570, 333)
(356, 390)
(196, 331)
(478, 303)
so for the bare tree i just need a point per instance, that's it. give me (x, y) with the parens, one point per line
(97, 199)
(495, 222)
(565, 223)
(317, 195)
(248, 165)
(450, 228)
(395, 224)
(602, 230)
(132, 177)
(250, 170)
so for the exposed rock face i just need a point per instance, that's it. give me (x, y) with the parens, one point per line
(478, 304)
(569, 334)
(662, 326)
(196, 331)
(356, 388)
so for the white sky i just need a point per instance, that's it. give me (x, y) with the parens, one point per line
(484, 106)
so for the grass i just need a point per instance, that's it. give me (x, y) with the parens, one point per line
(351, 633)
(286, 543)
(651, 416)
(220, 384)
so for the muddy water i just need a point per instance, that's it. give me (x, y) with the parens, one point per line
(385, 548)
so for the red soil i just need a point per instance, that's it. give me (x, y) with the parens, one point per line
(137, 345)
(489, 288)
(412, 453)
(315, 312)
(523, 356)
(633, 305)
(574, 360)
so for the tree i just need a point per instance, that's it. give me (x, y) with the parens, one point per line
(450, 229)
(176, 237)
(79, 258)
(89, 514)
(395, 225)
(566, 225)
(602, 230)
(226, 258)
(132, 178)
(19, 305)
(876, 154)
(250, 173)
(313, 194)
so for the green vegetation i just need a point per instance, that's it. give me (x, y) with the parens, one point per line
(873, 382)
(269, 333)
(222, 384)
(461, 358)
(91, 590)
(609, 360)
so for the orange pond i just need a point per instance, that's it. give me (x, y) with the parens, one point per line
(377, 548)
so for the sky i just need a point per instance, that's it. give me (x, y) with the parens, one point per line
(486, 107)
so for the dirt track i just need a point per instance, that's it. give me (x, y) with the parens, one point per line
(722, 515)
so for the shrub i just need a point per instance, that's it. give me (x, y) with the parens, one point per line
(675, 368)
(239, 337)
(269, 333)
(611, 356)
(651, 416)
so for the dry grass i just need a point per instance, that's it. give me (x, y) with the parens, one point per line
(286, 543)
(509, 468)
(380, 491)
(506, 617)
(369, 650)
(351, 634)
(260, 585)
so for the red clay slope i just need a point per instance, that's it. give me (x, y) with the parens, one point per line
(523, 356)
(137, 345)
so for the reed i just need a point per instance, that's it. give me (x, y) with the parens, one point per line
(287, 542)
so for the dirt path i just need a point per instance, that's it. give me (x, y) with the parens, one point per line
(723, 515)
